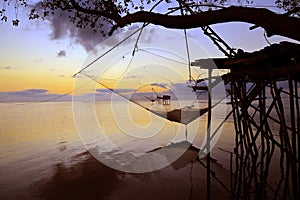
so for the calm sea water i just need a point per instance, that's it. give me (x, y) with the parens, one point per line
(37, 137)
(34, 137)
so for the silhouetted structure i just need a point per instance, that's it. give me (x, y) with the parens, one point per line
(166, 100)
(257, 100)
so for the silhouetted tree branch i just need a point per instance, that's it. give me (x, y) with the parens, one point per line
(274, 24)
(120, 13)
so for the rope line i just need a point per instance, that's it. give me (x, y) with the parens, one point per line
(119, 43)
(164, 57)
(105, 53)
(186, 45)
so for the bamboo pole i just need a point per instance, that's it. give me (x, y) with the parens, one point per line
(298, 131)
(294, 147)
(208, 189)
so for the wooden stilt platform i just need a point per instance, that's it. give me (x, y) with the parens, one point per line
(264, 90)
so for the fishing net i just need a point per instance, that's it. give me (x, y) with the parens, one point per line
(149, 68)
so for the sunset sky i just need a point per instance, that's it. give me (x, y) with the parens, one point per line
(41, 56)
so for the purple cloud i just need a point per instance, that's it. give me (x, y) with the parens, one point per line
(103, 91)
(163, 85)
(61, 53)
(115, 90)
(62, 27)
(36, 91)
(32, 95)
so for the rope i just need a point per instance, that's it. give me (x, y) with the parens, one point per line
(188, 55)
(186, 45)
(133, 54)
(137, 40)
(105, 53)
(148, 109)
(120, 94)
(119, 43)
(164, 57)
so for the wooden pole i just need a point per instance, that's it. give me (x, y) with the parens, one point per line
(298, 131)
(208, 189)
(294, 147)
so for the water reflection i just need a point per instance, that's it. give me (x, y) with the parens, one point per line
(89, 179)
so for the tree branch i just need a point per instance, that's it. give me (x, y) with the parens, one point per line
(107, 14)
(274, 24)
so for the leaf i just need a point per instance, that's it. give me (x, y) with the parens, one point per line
(15, 22)
(4, 18)
(46, 13)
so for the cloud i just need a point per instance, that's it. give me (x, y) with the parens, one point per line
(105, 94)
(163, 85)
(32, 95)
(61, 53)
(117, 90)
(62, 27)
(37, 91)
(43, 95)
(8, 68)
(102, 91)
